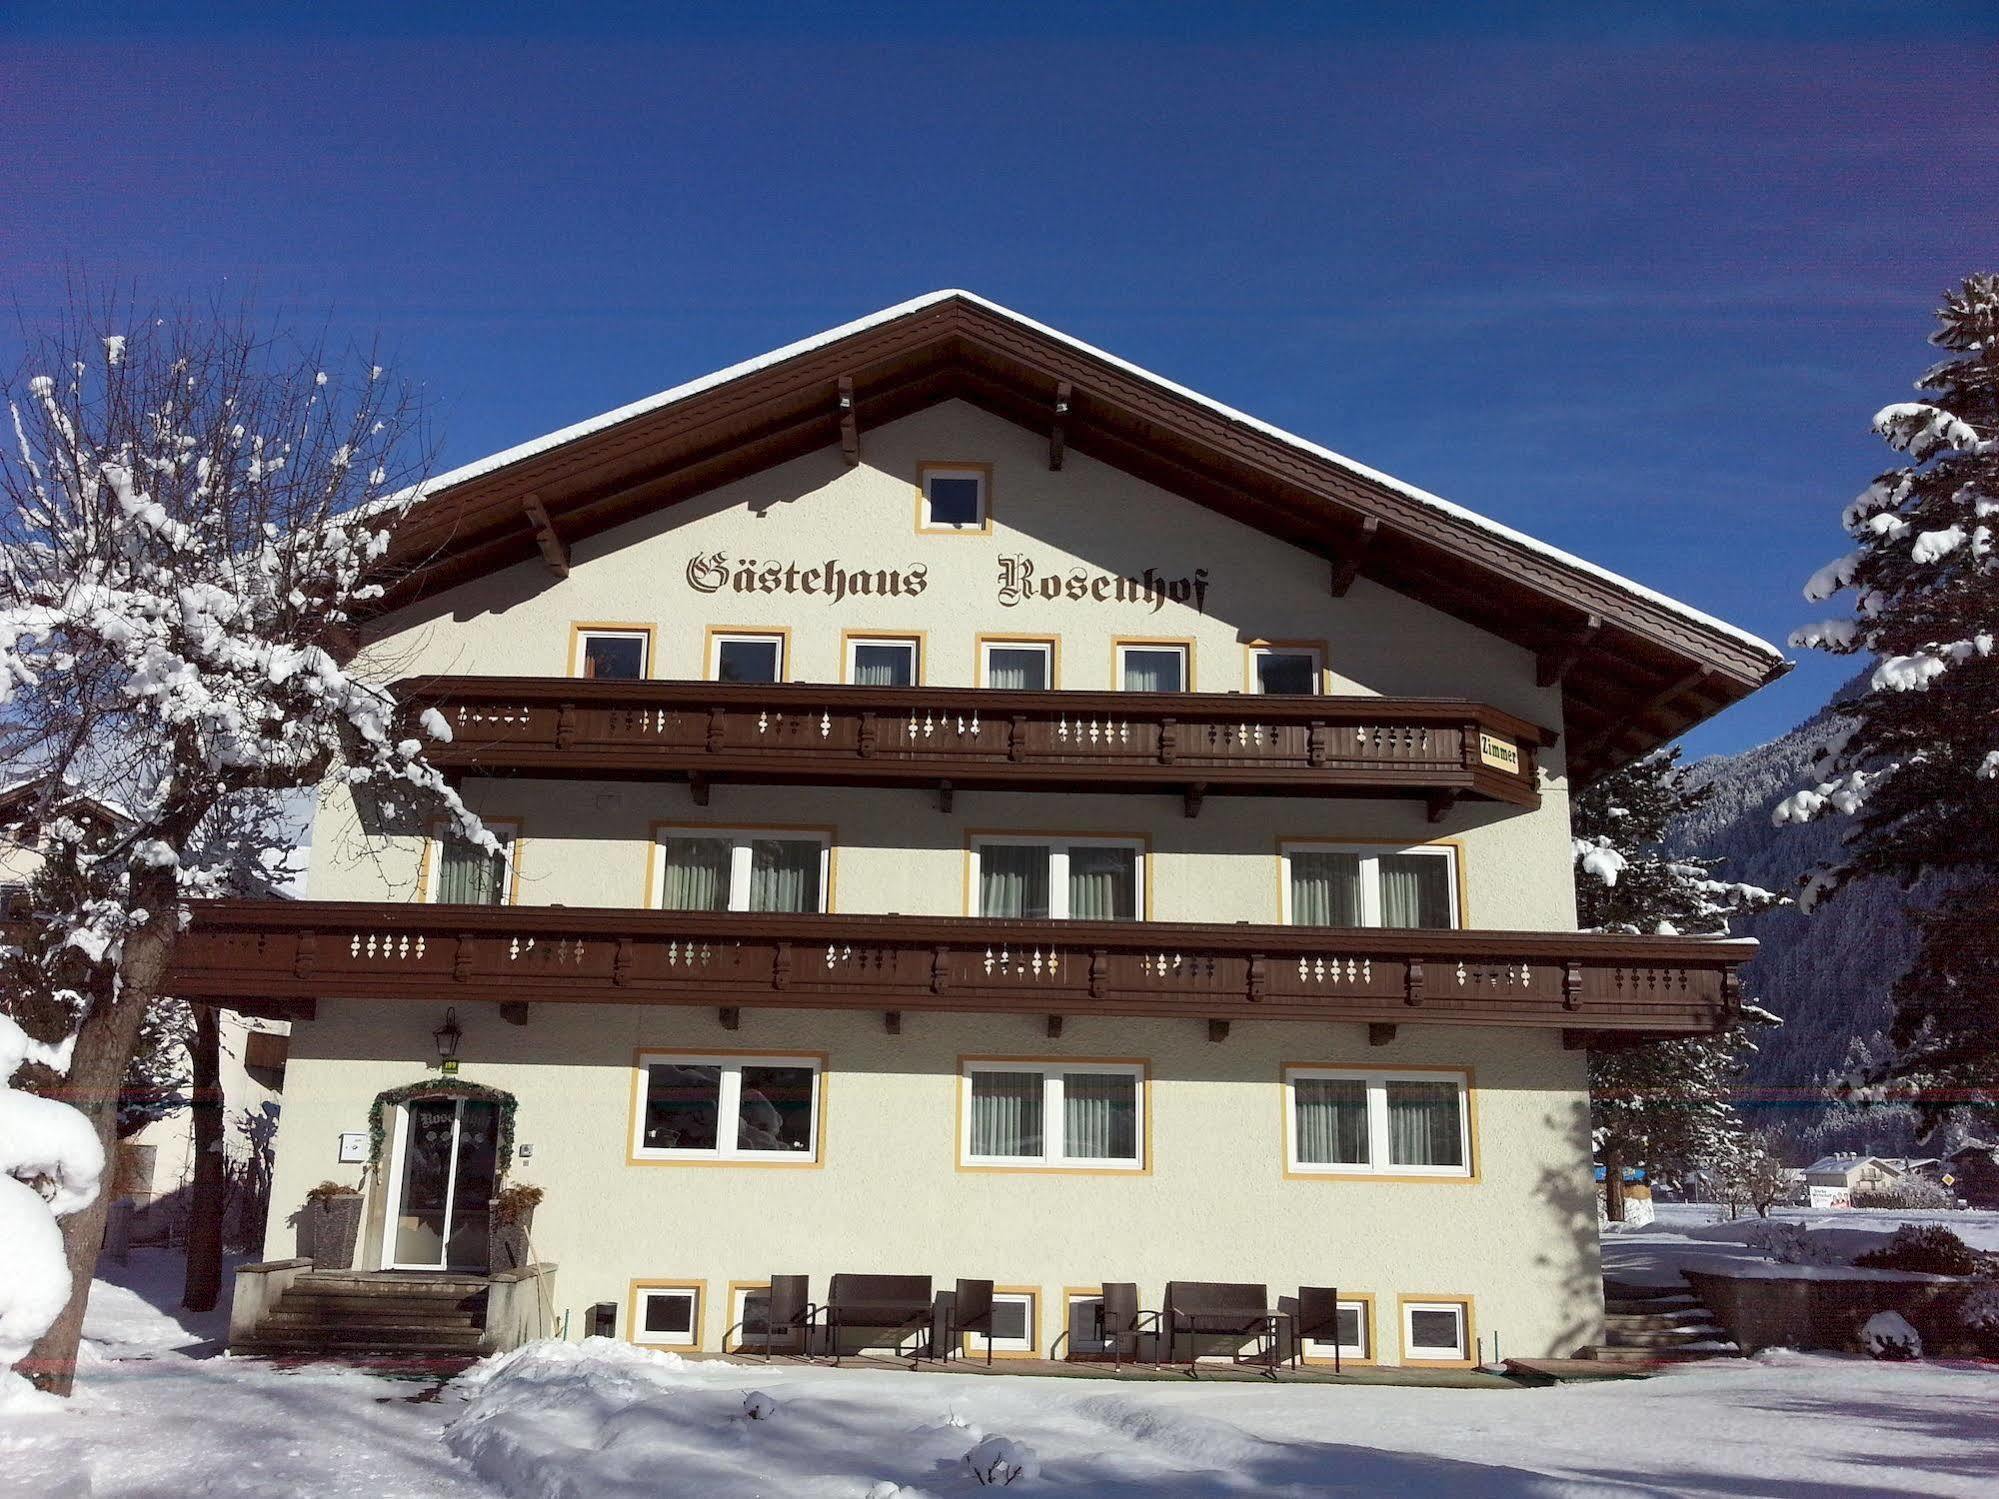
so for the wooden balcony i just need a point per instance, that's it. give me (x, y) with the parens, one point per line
(1189, 744)
(279, 957)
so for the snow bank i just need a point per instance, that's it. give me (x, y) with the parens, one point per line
(48, 1143)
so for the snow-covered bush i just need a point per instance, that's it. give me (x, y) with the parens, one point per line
(1790, 1243)
(51, 1163)
(999, 1461)
(757, 1406)
(1928, 1247)
(1889, 1337)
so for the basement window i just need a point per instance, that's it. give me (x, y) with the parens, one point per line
(1436, 1332)
(668, 1316)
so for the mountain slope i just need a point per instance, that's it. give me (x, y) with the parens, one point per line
(1828, 974)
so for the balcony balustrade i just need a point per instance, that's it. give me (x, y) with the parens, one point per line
(1189, 744)
(277, 957)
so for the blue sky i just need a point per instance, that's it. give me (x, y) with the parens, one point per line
(1632, 279)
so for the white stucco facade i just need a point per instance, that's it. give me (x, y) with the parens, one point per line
(1514, 1238)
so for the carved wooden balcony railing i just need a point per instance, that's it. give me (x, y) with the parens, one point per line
(277, 957)
(962, 738)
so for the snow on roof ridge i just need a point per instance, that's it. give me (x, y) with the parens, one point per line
(681, 392)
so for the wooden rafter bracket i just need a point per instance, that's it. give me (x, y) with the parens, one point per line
(1058, 430)
(553, 551)
(1218, 1030)
(1054, 1027)
(1438, 804)
(1613, 735)
(1552, 665)
(1380, 1032)
(1347, 561)
(730, 1016)
(514, 1012)
(892, 1022)
(850, 423)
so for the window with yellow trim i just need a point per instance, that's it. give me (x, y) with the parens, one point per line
(1016, 1314)
(728, 1108)
(464, 874)
(1436, 1331)
(1359, 1123)
(668, 1316)
(1330, 884)
(1053, 1114)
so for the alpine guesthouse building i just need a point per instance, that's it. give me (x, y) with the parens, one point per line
(975, 808)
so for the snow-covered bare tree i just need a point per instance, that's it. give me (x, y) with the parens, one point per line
(1665, 1105)
(192, 509)
(1914, 758)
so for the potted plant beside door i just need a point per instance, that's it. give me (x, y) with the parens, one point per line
(512, 1218)
(329, 1226)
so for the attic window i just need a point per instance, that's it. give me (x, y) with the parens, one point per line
(615, 655)
(953, 497)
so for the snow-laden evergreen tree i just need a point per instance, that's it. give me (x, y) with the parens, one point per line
(191, 514)
(1664, 1105)
(1914, 760)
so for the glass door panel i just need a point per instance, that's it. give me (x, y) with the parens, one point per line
(473, 1184)
(449, 1168)
(424, 1192)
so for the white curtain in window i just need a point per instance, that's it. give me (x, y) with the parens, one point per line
(1153, 671)
(1325, 889)
(1013, 880)
(1103, 884)
(1100, 1116)
(1423, 1126)
(697, 875)
(468, 876)
(784, 875)
(1330, 1121)
(882, 665)
(1006, 1114)
(1415, 890)
(1017, 670)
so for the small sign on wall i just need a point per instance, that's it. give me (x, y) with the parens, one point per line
(1500, 754)
(353, 1147)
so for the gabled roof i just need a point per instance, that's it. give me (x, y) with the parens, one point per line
(1637, 667)
(20, 797)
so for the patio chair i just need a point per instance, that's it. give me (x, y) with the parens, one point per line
(789, 1313)
(1318, 1317)
(897, 1303)
(1124, 1320)
(969, 1308)
(1227, 1309)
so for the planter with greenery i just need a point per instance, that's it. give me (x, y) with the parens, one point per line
(329, 1226)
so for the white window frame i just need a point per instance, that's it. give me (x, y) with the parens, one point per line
(909, 643)
(433, 878)
(1058, 846)
(689, 1339)
(740, 857)
(983, 477)
(1379, 1139)
(1179, 647)
(1043, 648)
(1315, 654)
(1052, 1157)
(1370, 856)
(718, 638)
(1025, 1347)
(1460, 1354)
(729, 1107)
(584, 637)
(1361, 1352)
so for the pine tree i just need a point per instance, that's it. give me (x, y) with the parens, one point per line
(1666, 1105)
(1915, 757)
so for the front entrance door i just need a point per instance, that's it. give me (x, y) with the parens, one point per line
(447, 1152)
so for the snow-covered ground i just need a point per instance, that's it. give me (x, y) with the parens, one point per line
(604, 1421)
(1694, 1236)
